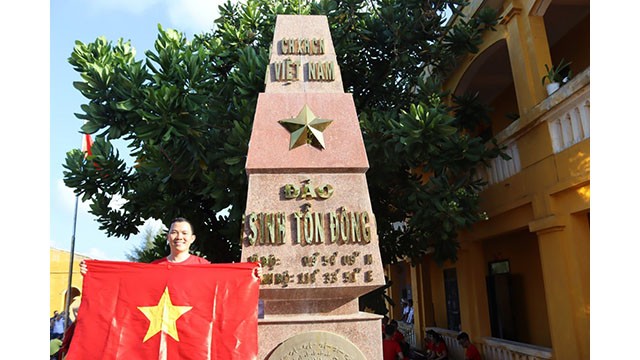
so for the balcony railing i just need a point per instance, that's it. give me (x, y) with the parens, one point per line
(499, 349)
(408, 333)
(566, 114)
(494, 349)
(569, 121)
(500, 168)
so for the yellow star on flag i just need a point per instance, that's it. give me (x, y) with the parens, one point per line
(306, 128)
(163, 316)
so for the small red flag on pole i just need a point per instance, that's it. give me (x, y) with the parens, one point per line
(86, 145)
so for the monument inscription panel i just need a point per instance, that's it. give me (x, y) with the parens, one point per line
(317, 345)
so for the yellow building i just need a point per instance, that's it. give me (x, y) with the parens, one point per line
(520, 286)
(59, 279)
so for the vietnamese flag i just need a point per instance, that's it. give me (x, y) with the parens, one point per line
(137, 311)
(87, 142)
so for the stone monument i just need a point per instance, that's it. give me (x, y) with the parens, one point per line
(308, 218)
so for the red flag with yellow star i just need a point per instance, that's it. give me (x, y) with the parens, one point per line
(167, 311)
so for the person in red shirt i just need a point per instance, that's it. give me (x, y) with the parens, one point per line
(180, 237)
(440, 351)
(68, 335)
(390, 348)
(470, 351)
(430, 344)
(399, 338)
(385, 322)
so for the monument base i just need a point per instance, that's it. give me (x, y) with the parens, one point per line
(282, 337)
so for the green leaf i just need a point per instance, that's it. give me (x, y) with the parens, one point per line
(90, 127)
(126, 105)
(232, 160)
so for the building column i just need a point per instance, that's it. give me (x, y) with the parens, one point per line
(528, 53)
(422, 304)
(428, 317)
(563, 241)
(472, 290)
(396, 275)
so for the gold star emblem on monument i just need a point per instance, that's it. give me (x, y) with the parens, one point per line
(306, 128)
(163, 316)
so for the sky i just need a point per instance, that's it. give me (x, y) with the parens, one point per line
(86, 20)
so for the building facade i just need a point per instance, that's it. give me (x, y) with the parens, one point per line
(520, 286)
(59, 279)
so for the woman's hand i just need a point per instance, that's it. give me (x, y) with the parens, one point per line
(83, 268)
(258, 272)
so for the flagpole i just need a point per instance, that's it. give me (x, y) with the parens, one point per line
(86, 149)
(73, 244)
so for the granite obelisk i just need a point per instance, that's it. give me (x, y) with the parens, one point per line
(308, 218)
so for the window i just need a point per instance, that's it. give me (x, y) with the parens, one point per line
(451, 298)
(499, 295)
(499, 267)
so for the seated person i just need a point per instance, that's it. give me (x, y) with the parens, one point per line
(390, 348)
(470, 351)
(399, 337)
(429, 344)
(440, 347)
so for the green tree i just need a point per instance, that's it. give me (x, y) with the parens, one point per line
(185, 112)
(154, 246)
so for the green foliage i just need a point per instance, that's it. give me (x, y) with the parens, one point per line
(464, 38)
(557, 73)
(185, 113)
(471, 114)
(423, 181)
(155, 246)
